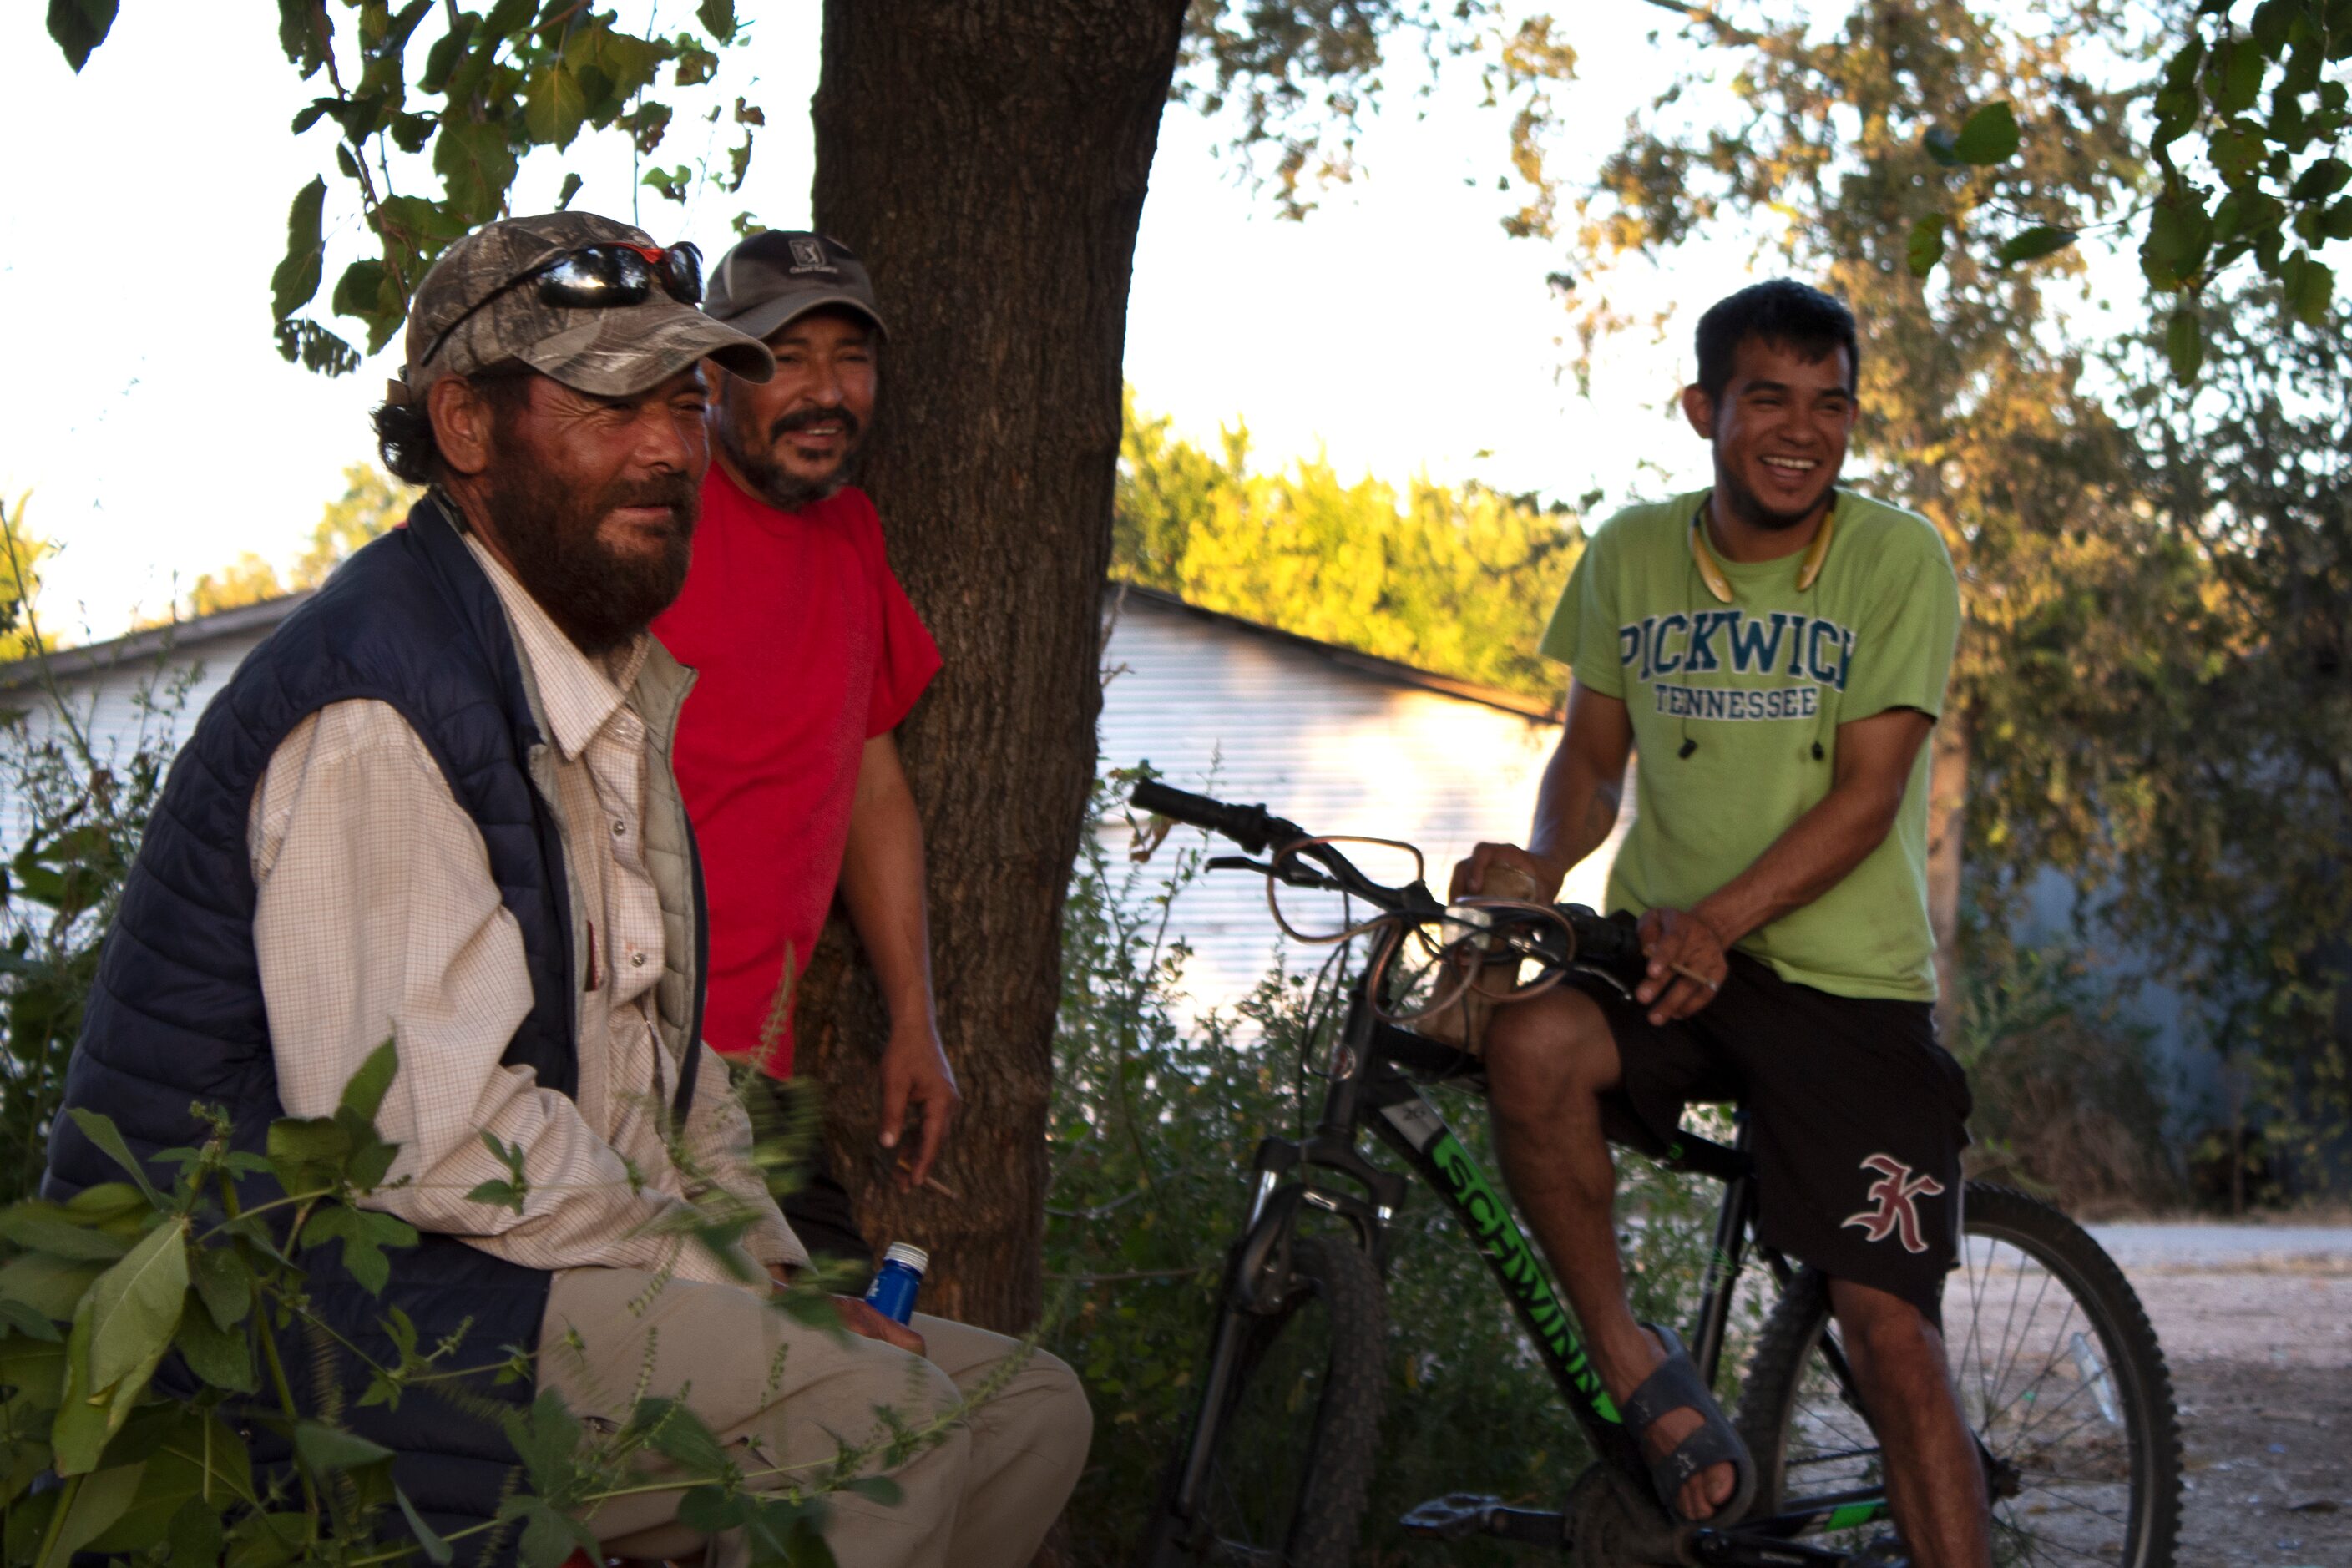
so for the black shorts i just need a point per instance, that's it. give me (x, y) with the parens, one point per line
(1858, 1118)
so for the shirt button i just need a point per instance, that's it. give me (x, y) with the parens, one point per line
(620, 829)
(636, 961)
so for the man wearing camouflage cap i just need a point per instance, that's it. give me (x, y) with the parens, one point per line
(435, 807)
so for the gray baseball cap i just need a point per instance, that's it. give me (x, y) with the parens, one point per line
(778, 277)
(612, 351)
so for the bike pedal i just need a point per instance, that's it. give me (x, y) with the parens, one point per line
(1458, 1516)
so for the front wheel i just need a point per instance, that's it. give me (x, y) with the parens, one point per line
(2059, 1374)
(1285, 1451)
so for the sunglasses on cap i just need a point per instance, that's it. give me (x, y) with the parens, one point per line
(600, 278)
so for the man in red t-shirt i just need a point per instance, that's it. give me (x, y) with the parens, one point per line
(808, 656)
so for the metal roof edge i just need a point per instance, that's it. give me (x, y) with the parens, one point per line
(150, 642)
(1388, 669)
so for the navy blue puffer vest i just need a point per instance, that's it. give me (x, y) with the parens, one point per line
(177, 1012)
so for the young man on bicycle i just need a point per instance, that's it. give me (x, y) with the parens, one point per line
(1776, 650)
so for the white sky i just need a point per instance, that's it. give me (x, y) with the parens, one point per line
(146, 406)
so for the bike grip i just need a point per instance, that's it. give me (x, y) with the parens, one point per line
(1611, 944)
(1246, 825)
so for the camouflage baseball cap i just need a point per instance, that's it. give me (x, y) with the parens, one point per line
(607, 352)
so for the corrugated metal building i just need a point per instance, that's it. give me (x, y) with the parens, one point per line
(1336, 741)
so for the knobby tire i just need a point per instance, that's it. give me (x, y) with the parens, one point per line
(2034, 1315)
(1329, 1450)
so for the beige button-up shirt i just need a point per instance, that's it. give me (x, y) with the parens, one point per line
(378, 917)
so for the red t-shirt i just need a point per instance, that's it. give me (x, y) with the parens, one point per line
(806, 647)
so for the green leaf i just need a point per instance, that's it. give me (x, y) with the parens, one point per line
(1990, 136)
(2178, 235)
(135, 1305)
(2184, 345)
(364, 1233)
(195, 1533)
(2310, 288)
(2272, 19)
(222, 1357)
(2034, 244)
(571, 189)
(308, 1153)
(79, 26)
(447, 51)
(505, 1194)
(325, 1447)
(298, 37)
(476, 166)
(555, 105)
(297, 277)
(269, 1540)
(678, 1434)
(45, 1227)
(547, 1439)
(37, 1371)
(223, 1283)
(99, 1129)
(717, 19)
(363, 1095)
(1926, 247)
(356, 290)
(22, 1317)
(104, 1498)
(2322, 180)
(2235, 76)
(51, 1284)
(435, 1550)
(550, 1537)
(84, 1420)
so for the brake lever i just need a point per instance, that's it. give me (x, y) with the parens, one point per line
(1287, 875)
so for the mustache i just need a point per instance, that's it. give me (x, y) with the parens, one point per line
(802, 418)
(676, 492)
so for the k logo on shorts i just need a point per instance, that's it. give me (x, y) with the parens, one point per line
(1896, 1193)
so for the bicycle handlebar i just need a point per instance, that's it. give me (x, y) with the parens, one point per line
(1600, 941)
(1250, 826)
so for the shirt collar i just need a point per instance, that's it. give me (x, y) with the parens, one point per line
(579, 693)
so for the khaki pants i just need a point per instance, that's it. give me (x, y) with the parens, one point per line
(983, 1499)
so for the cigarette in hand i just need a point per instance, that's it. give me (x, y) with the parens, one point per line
(1689, 973)
(934, 1184)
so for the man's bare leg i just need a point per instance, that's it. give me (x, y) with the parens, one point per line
(1933, 1480)
(1549, 1062)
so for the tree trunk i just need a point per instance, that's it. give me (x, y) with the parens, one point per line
(988, 160)
(1948, 810)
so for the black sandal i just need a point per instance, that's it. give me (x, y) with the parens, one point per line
(1677, 1385)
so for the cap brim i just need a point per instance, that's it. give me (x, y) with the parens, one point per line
(621, 352)
(770, 317)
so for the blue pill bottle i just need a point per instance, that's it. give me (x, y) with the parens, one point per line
(892, 1294)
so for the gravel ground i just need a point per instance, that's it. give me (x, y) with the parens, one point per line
(2256, 1324)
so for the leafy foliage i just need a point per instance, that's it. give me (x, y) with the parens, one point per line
(1459, 582)
(21, 555)
(467, 95)
(2253, 124)
(2183, 713)
(2068, 1098)
(1157, 1111)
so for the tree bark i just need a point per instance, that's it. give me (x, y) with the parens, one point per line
(1948, 811)
(988, 160)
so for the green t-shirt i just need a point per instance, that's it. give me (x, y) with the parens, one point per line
(1756, 683)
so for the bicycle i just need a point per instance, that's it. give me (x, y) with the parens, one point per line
(2061, 1375)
